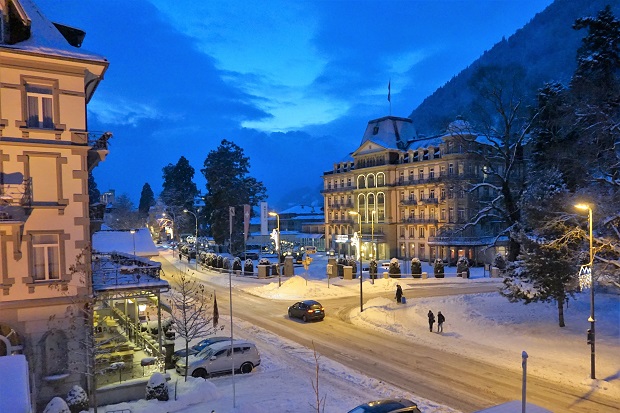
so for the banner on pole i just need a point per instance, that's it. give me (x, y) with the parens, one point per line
(246, 221)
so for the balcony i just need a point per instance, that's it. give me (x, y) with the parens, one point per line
(413, 220)
(15, 197)
(98, 143)
(410, 201)
(429, 201)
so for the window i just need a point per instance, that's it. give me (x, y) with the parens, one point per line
(461, 213)
(432, 213)
(380, 179)
(421, 194)
(442, 170)
(443, 214)
(421, 232)
(411, 178)
(432, 232)
(401, 178)
(348, 182)
(431, 194)
(45, 257)
(431, 173)
(39, 107)
(402, 232)
(402, 195)
(451, 169)
(411, 232)
(443, 193)
(421, 214)
(450, 214)
(421, 174)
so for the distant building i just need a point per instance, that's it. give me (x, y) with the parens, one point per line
(46, 153)
(108, 197)
(410, 195)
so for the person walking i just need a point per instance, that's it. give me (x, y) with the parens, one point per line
(431, 320)
(440, 320)
(399, 294)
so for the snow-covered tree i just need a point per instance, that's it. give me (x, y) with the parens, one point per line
(226, 170)
(438, 268)
(394, 268)
(123, 215)
(178, 193)
(192, 311)
(416, 267)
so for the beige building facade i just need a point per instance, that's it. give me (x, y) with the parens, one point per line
(411, 196)
(46, 152)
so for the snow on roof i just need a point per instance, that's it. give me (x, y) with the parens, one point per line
(424, 143)
(46, 39)
(14, 381)
(318, 216)
(389, 130)
(124, 241)
(118, 271)
(300, 209)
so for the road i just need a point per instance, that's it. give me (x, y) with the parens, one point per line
(456, 381)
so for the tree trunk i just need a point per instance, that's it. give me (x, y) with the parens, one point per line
(560, 302)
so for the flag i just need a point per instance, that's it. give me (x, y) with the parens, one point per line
(390, 90)
(216, 313)
(246, 220)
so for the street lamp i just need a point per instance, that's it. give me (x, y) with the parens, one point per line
(133, 236)
(278, 244)
(359, 252)
(195, 239)
(591, 334)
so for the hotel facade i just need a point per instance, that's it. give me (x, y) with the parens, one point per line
(412, 196)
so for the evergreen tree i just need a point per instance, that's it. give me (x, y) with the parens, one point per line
(123, 215)
(94, 195)
(178, 193)
(229, 185)
(147, 199)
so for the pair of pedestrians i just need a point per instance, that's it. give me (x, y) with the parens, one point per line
(440, 320)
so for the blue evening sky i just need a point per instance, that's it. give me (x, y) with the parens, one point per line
(293, 83)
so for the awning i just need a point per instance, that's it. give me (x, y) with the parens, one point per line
(310, 236)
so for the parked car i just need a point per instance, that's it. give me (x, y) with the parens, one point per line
(387, 406)
(197, 348)
(307, 310)
(310, 249)
(219, 358)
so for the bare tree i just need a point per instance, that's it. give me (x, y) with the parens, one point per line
(192, 311)
(320, 402)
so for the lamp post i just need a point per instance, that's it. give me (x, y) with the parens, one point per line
(278, 244)
(133, 236)
(359, 252)
(591, 335)
(195, 239)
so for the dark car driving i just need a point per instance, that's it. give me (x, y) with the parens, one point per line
(387, 406)
(197, 348)
(307, 310)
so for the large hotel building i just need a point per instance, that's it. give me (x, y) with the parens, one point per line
(412, 196)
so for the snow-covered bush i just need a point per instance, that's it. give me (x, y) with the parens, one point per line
(226, 263)
(394, 269)
(248, 267)
(438, 269)
(57, 405)
(236, 266)
(372, 267)
(219, 262)
(462, 265)
(416, 267)
(262, 261)
(499, 262)
(157, 388)
(77, 399)
(352, 263)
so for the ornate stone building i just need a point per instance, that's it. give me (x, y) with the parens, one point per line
(46, 152)
(412, 196)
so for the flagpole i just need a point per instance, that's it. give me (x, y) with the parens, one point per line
(231, 212)
(390, 94)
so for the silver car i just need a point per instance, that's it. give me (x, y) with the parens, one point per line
(220, 358)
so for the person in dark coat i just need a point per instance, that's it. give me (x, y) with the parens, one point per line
(440, 320)
(431, 320)
(399, 294)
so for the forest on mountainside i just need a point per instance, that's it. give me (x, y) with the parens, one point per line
(546, 48)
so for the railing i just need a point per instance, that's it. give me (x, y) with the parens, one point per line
(411, 220)
(410, 201)
(429, 200)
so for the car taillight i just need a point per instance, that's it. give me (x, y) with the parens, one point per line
(310, 311)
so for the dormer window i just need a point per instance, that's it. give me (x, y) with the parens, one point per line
(375, 130)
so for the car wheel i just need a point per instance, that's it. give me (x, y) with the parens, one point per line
(246, 368)
(202, 373)
(304, 318)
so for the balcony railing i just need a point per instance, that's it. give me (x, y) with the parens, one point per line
(429, 200)
(15, 195)
(410, 201)
(412, 220)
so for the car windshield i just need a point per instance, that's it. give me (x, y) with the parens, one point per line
(206, 353)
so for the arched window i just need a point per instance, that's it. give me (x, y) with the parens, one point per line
(371, 181)
(380, 179)
(361, 182)
(55, 352)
